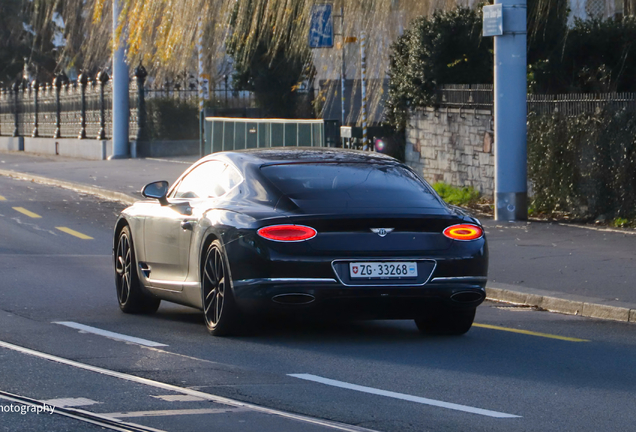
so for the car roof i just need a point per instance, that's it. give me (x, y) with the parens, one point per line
(282, 155)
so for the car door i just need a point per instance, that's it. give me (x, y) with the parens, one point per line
(168, 231)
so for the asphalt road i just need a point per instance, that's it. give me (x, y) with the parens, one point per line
(552, 256)
(517, 369)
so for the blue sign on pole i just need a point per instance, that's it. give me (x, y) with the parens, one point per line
(493, 20)
(321, 26)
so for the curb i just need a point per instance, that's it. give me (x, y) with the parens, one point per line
(586, 307)
(78, 187)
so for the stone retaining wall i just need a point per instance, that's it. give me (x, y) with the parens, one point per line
(452, 146)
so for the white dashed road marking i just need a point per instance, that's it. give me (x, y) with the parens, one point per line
(109, 334)
(403, 396)
(165, 413)
(186, 391)
(70, 402)
(179, 398)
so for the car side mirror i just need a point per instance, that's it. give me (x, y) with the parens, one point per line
(157, 190)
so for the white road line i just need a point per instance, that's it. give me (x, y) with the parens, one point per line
(167, 413)
(403, 396)
(178, 398)
(187, 391)
(109, 334)
(70, 402)
(82, 415)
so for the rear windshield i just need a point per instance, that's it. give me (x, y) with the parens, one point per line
(351, 185)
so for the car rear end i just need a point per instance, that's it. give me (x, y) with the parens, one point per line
(358, 240)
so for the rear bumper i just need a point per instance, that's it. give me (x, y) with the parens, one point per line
(292, 278)
(328, 297)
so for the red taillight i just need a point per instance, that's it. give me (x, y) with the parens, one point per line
(463, 232)
(287, 233)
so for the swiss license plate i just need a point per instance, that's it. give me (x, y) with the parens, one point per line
(382, 270)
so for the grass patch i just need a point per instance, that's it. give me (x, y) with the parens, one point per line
(464, 197)
(621, 223)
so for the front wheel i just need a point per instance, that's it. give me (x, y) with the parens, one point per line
(219, 309)
(452, 322)
(130, 296)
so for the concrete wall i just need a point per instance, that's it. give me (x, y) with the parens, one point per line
(96, 149)
(452, 146)
(69, 147)
(11, 143)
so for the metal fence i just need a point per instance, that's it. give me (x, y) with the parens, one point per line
(83, 108)
(579, 103)
(59, 110)
(473, 96)
(222, 133)
(222, 96)
(480, 96)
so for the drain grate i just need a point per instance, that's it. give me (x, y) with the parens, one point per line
(518, 307)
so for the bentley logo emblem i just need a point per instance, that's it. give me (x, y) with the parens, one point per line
(382, 232)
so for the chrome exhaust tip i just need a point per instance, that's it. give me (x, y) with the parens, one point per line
(468, 297)
(294, 299)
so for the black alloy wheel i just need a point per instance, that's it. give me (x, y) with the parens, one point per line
(130, 296)
(219, 309)
(449, 322)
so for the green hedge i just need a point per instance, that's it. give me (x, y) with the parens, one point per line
(584, 166)
(444, 48)
(172, 119)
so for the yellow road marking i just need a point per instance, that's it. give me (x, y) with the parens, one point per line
(530, 333)
(75, 233)
(26, 212)
(2, 198)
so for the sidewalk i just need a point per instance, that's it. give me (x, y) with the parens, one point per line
(120, 180)
(563, 268)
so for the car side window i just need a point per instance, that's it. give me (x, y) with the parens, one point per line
(204, 181)
(229, 179)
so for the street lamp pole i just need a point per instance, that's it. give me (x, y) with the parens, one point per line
(363, 86)
(510, 93)
(120, 108)
(343, 69)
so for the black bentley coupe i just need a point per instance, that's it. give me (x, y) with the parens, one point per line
(335, 233)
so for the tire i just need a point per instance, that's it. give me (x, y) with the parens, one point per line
(219, 308)
(130, 295)
(452, 323)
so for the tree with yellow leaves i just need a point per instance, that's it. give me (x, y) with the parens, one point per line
(162, 33)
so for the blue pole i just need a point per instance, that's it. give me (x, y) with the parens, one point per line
(511, 172)
(120, 93)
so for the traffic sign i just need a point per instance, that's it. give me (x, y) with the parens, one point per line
(204, 86)
(321, 26)
(493, 20)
